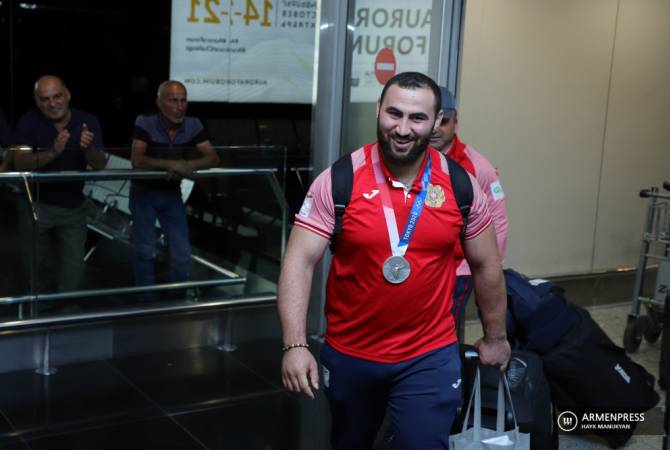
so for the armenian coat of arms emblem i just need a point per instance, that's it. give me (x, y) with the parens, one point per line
(435, 196)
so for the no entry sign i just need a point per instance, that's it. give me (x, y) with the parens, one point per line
(385, 65)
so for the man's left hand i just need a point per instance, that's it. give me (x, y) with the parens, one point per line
(494, 352)
(180, 169)
(87, 137)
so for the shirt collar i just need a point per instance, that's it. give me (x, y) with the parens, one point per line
(416, 184)
(51, 124)
(163, 127)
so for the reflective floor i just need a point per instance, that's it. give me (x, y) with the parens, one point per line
(204, 398)
(190, 399)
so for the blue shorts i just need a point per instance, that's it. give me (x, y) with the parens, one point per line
(422, 395)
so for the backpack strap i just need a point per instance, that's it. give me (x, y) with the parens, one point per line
(342, 181)
(462, 186)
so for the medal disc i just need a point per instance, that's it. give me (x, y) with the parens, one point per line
(396, 269)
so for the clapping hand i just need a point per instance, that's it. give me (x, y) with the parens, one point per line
(87, 137)
(60, 141)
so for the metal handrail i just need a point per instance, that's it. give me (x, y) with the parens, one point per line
(131, 174)
(4, 301)
(122, 174)
(42, 322)
(653, 192)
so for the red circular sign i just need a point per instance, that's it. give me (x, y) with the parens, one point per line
(385, 65)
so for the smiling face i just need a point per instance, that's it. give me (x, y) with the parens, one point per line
(52, 98)
(172, 103)
(405, 121)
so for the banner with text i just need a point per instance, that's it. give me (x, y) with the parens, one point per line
(390, 36)
(251, 51)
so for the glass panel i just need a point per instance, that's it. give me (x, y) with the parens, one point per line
(389, 37)
(264, 39)
(16, 238)
(228, 224)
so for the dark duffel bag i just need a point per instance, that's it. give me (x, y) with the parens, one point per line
(530, 394)
(588, 373)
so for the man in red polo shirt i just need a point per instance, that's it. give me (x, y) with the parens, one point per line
(390, 337)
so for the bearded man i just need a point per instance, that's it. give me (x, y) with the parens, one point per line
(390, 339)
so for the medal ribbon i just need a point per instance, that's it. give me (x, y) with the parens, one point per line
(399, 244)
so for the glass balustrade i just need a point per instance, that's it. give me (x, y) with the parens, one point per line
(63, 256)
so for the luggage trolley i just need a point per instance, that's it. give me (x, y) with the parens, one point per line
(655, 248)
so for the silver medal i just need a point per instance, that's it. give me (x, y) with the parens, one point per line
(396, 269)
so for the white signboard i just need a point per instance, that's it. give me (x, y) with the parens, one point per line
(399, 26)
(244, 50)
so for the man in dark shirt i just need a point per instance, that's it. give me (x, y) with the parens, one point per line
(62, 139)
(164, 141)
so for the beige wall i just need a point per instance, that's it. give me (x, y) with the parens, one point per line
(568, 99)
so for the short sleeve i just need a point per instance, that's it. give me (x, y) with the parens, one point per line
(480, 217)
(488, 180)
(200, 134)
(141, 130)
(22, 133)
(95, 127)
(317, 213)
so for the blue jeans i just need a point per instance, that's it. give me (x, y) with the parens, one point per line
(422, 393)
(147, 205)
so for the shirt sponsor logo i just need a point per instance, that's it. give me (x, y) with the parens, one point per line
(435, 197)
(370, 195)
(623, 373)
(497, 190)
(306, 206)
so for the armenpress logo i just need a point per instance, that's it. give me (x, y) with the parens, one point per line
(600, 421)
(567, 421)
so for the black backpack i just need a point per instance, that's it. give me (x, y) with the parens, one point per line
(342, 181)
(588, 373)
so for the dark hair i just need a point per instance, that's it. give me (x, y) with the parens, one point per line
(414, 80)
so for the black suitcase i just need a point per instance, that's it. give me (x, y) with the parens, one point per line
(588, 373)
(530, 393)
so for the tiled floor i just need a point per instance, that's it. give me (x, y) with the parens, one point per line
(203, 399)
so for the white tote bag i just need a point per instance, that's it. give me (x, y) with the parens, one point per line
(479, 438)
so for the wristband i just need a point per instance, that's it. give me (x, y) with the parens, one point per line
(290, 346)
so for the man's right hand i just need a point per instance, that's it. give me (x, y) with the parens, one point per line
(60, 141)
(299, 371)
(494, 352)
